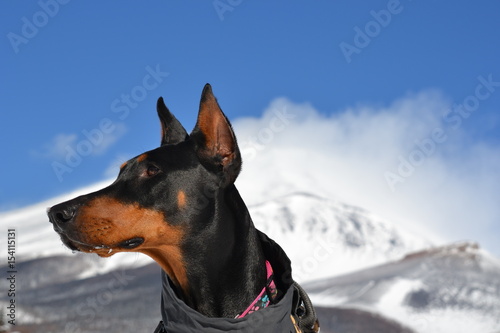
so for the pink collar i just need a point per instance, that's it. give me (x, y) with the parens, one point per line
(265, 297)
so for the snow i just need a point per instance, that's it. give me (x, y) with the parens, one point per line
(447, 289)
(436, 320)
(391, 305)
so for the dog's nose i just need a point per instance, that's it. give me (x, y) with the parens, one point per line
(61, 214)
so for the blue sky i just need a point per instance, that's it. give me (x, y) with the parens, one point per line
(84, 76)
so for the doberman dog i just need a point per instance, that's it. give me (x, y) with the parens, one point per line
(178, 204)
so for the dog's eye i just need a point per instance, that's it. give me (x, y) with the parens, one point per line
(152, 170)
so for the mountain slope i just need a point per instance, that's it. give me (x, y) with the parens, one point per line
(122, 300)
(455, 288)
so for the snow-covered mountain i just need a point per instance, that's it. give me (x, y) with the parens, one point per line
(450, 289)
(326, 238)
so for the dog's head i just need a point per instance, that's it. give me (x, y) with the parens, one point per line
(160, 197)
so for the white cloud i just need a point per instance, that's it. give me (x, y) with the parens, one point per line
(110, 138)
(114, 167)
(57, 146)
(87, 143)
(452, 190)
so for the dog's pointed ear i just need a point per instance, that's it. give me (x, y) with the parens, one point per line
(214, 139)
(172, 131)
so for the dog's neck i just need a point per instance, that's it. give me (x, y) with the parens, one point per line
(225, 264)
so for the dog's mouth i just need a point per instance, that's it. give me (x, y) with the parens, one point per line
(77, 246)
(100, 249)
